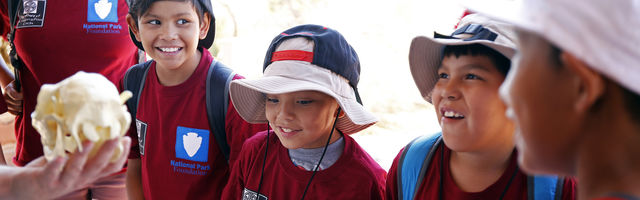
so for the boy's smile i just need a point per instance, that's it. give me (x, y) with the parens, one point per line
(448, 113)
(302, 119)
(286, 132)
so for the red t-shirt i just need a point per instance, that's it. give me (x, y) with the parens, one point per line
(355, 175)
(72, 37)
(431, 183)
(181, 158)
(4, 20)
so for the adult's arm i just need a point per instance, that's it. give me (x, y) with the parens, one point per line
(12, 97)
(42, 179)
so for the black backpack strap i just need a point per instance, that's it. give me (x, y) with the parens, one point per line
(217, 99)
(16, 62)
(134, 81)
(12, 6)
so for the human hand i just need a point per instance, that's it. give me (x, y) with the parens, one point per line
(41, 179)
(13, 99)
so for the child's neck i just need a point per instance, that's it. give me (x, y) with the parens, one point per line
(608, 161)
(476, 171)
(176, 76)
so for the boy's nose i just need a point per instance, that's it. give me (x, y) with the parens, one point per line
(451, 91)
(169, 33)
(285, 112)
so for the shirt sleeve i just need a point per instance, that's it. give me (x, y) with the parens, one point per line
(5, 26)
(569, 189)
(392, 179)
(236, 184)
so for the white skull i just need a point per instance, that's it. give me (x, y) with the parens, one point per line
(85, 106)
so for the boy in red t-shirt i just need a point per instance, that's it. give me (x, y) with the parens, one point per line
(308, 95)
(475, 157)
(176, 156)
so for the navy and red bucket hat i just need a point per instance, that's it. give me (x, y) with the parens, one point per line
(306, 58)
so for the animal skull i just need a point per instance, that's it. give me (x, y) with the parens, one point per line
(85, 106)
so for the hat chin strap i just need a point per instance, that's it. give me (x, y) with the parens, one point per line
(317, 165)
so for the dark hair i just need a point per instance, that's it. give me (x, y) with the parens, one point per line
(502, 63)
(631, 99)
(137, 8)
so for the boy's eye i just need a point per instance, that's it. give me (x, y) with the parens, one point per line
(472, 76)
(443, 76)
(154, 22)
(305, 102)
(272, 100)
(182, 21)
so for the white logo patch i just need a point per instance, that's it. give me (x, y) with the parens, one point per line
(191, 143)
(103, 8)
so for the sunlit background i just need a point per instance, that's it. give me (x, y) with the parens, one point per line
(379, 31)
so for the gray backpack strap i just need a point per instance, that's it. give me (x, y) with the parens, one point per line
(217, 98)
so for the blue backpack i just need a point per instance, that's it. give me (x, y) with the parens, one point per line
(411, 173)
(217, 98)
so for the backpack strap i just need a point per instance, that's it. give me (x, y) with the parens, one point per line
(16, 61)
(410, 172)
(544, 187)
(218, 102)
(12, 6)
(134, 81)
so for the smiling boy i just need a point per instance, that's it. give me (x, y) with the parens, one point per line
(308, 95)
(177, 155)
(474, 156)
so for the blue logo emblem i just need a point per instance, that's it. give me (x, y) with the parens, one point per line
(102, 11)
(192, 144)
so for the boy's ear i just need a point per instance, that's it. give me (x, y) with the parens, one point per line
(591, 84)
(204, 26)
(133, 26)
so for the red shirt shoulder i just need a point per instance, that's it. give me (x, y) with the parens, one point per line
(430, 186)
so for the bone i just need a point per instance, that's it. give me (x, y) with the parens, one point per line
(85, 106)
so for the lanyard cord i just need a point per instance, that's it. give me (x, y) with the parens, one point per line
(263, 162)
(323, 152)
(441, 188)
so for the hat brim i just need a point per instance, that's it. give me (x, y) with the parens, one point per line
(425, 57)
(249, 99)
(503, 10)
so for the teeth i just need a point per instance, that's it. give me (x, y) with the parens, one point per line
(169, 49)
(452, 114)
(286, 130)
(449, 114)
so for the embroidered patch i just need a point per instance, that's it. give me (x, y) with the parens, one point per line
(31, 13)
(192, 144)
(141, 129)
(248, 194)
(102, 11)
